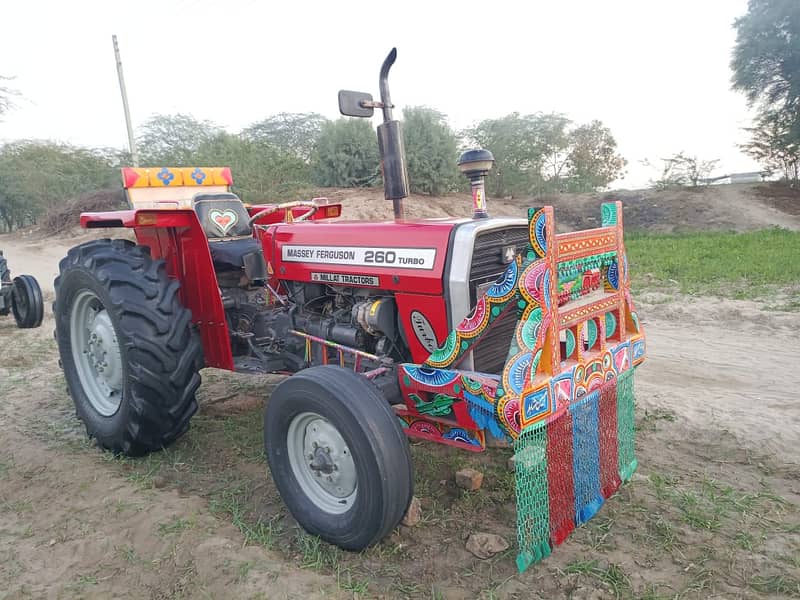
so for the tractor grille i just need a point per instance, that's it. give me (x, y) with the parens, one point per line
(487, 265)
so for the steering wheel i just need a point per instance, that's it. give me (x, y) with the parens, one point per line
(287, 206)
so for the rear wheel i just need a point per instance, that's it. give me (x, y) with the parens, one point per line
(338, 456)
(128, 348)
(27, 302)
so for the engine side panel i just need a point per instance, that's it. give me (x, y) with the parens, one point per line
(424, 323)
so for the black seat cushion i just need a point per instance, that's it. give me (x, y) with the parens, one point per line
(232, 255)
(222, 215)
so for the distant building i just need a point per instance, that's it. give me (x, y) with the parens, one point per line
(751, 177)
(748, 177)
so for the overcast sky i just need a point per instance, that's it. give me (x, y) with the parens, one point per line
(656, 73)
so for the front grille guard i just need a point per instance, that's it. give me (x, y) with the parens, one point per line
(565, 395)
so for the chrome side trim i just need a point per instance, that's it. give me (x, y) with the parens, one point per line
(460, 263)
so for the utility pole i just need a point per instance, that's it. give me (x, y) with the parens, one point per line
(131, 140)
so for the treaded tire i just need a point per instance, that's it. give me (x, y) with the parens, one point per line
(160, 351)
(379, 449)
(27, 302)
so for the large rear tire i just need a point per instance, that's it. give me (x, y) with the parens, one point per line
(130, 354)
(27, 302)
(338, 456)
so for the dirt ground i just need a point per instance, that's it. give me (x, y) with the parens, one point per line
(712, 512)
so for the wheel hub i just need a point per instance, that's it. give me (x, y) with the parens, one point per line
(102, 351)
(322, 462)
(96, 353)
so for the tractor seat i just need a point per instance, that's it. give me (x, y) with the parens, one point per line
(225, 222)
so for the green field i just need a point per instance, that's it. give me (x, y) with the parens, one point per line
(756, 265)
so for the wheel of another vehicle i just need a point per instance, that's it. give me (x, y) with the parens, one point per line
(338, 456)
(130, 354)
(27, 302)
(5, 277)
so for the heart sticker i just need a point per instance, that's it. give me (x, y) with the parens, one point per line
(223, 219)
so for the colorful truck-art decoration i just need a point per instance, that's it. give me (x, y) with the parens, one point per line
(565, 397)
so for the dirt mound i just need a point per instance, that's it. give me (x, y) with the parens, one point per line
(722, 207)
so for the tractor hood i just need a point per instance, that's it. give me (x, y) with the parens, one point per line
(390, 255)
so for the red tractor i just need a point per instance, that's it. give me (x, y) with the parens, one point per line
(363, 313)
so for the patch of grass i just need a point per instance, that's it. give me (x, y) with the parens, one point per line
(5, 466)
(128, 553)
(316, 554)
(232, 501)
(82, 582)
(244, 436)
(613, 575)
(776, 584)
(737, 265)
(651, 418)
(346, 582)
(175, 526)
(243, 570)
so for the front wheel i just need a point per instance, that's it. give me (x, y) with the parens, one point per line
(338, 456)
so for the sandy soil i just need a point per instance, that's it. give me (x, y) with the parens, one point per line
(712, 511)
(725, 362)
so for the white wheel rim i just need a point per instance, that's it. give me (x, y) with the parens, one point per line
(95, 351)
(322, 463)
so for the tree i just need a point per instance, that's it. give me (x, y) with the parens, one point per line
(766, 67)
(593, 158)
(6, 93)
(346, 154)
(174, 140)
(682, 170)
(260, 170)
(766, 58)
(774, 145)
(515, 144)
(539, 153)
(37, 175)
(553, 140)
(431, 151)
(293, 133)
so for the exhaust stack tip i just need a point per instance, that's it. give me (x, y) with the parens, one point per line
(475, 164)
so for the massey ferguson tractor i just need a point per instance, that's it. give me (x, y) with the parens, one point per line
(21, 296)
(458, 331)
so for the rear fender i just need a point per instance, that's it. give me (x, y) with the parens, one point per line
(177, 237)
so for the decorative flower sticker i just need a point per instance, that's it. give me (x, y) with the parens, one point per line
(166, 176)
(198, 175)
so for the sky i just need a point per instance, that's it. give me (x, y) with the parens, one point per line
(656, 73)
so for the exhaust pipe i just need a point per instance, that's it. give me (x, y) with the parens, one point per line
(390, 144)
